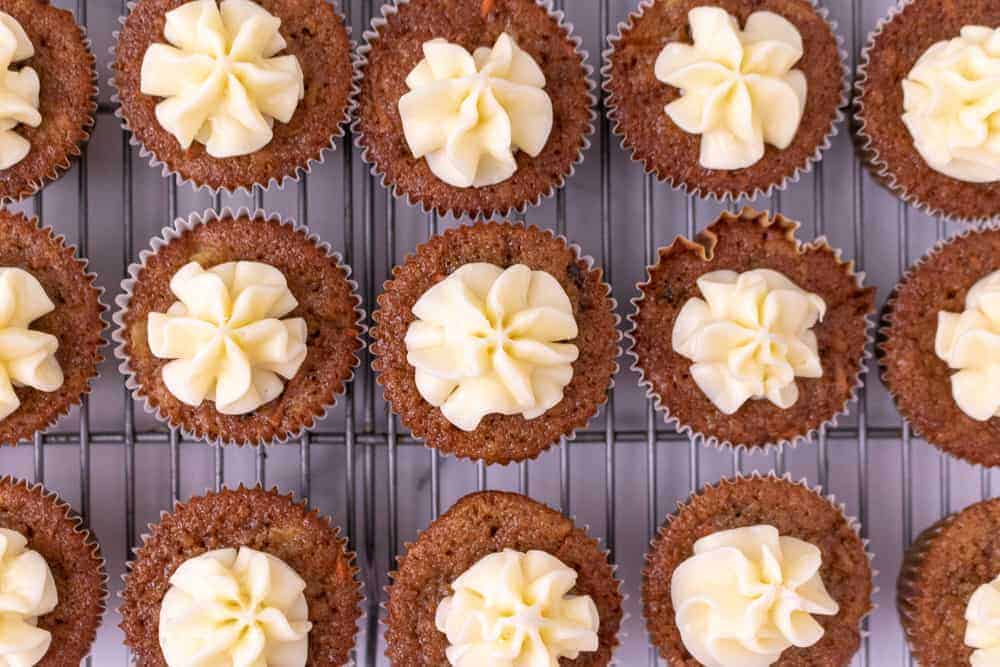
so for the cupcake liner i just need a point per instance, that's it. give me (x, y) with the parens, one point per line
(70, 516)
(565, 438)
(905, 582)
(171, 233)
(841, 508)
(611, 107)
(351, 556)
(869, 156)
(887, 320)
(59, 168)
(371, 35)
(300, 170)
(707, 440)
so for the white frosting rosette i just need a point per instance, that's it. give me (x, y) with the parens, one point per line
(19, 91)
(982, 630)
(27, 591)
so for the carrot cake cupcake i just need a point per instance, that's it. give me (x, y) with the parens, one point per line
(745, 336)
(929, 119)
(50, 95)
(494, 341)
(939, 351)
(238, 328)
(543, 591)
(231, 94)
(507, 80)
(194, 591)
(729, 98)
(757, 571)
(52, 579)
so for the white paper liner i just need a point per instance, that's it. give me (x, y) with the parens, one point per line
(77, 522)
(76, 150)
(274, 490)
(887, 321)
(597, 542)
(373, 34)
(246, 189)
(841, 508)
(180, 227)
(869, 155)
(611, 105)
(751, 215)
(613, 303)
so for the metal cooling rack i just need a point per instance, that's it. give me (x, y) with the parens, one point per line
(621, 477)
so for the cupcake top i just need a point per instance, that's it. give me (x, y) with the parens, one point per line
(982, 630)
(28, 591)
(20, 86)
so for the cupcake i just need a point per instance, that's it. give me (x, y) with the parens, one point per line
(729, 99)
(49, 91)
(191, 596)
(923, 67)
(517, 113)
(234, 94)
(494, 341)
(542, 590)
(939, 350)
(51, 326)
(52, 578)
(747, 337)
(238, 327)
(948, 587)
(757, 571)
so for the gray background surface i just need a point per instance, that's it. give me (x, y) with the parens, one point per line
(124, 474)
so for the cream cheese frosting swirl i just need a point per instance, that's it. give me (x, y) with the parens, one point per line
(951, 105)
(467, 115)
(513, 609)
(982, 630)
(738, 88)
(746, 595)
(488, 340)
(235, 609)
(27, 591)
(27, 358)
(221, 76)
(19, 91)
(226, 338)
(969, 342)
(750, 337)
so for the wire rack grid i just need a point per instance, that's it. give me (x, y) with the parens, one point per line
(620, 477)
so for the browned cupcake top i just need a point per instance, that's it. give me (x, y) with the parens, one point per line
(796, 511)
(67, 98)
(75, 322)
(887, 60)
(76, 565)
(744, 242)
(918, 379)
(396, 51)
(478, 525)
(637, 98)
(315, 34)
(326, 301)
(261, 520)
(943, 568)
(498, 438)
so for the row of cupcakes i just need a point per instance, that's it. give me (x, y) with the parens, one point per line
(482, 108)
(495, 341)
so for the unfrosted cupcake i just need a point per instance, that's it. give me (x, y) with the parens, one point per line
(50, 95)
(757, 570)
(940, 353)
(234, 93)
(494, 341)
(543, 591)
(728, 98)
(193, 592)
(238, 328)
(746, 336)
(929, 122)
(517, 111)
